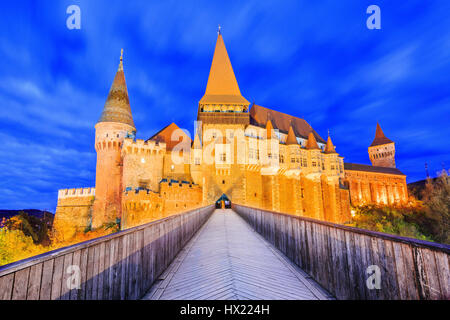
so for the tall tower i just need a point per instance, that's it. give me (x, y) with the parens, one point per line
(382, 150)
(222, 106)
(115, 123)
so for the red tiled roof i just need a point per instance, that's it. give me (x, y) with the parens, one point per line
(380, 138)
(165, 135)
(364, 167)
(281, 121)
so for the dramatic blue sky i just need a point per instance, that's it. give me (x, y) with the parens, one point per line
(312, 59)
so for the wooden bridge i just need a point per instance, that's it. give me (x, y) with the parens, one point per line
(244, 253)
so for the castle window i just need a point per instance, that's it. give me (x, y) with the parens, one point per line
(214, 135)
(313, 163)
(332, 167)
(269, 155)
(292, 160)
(223, 157)
(281, 158)
(197, 161)
(305, 162)
(223, 181)
(323, 165)
(302, 192)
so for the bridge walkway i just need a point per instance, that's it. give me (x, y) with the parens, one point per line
(228, 260)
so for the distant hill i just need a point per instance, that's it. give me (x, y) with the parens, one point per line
(31, 212)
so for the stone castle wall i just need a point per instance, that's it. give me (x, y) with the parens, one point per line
(376, 188)
(73, 212)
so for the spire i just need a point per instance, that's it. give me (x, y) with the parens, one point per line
(329, 148)
(291, 139)
(312, 142)
(380, 138)
(197, 141)
(222, 87)
(117, 107)
(270, 133)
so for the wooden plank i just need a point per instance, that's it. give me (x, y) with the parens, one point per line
(140, 285)
(46, 284)
(334, 253)
(34, 282)
(377, 259)
(6, 286)
(350, 253)
(107, 269)
(131, 274)
(432, 276)
(343, 272)
(410, 276)
(101, 270)
(20, 284)
(84, 256)
(124, 270)
(442, 267)
(95, 272)
(389, 273)
(76, 262)
(65, 289)
(401, 270)
(57, 278)
(118, 270)
(90, 274)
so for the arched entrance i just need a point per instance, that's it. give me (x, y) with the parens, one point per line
(223, 202)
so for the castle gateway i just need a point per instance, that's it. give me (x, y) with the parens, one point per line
(255, 156)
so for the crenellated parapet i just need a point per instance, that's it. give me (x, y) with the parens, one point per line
(139, 207)
(76, 193)
(142, 147)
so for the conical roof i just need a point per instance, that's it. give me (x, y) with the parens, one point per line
(291, 139)
(197, 141)
(380, 138)
(329, 148)
(117, 107)
(270, 133)
(312, 142)
(222, 87)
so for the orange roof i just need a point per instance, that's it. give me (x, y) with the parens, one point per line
(281, 121)
(380, 138)
(291, 139)
(172, 138)
(222, 87)
(197, 141)
(329, 148)
(312, 142)
(117, 106)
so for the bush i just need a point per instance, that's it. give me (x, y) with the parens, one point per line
(426, 220)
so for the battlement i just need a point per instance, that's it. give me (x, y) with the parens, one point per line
(140, 146)
(178, 183)
(76, 193)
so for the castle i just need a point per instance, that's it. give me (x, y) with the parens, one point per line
(256, 156)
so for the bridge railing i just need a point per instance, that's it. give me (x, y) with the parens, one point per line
(353, 263)
(122, 265)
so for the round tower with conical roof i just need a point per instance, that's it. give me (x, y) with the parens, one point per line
(115, 124)
(382, 150)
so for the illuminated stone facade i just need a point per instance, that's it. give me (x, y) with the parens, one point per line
(256, 156)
